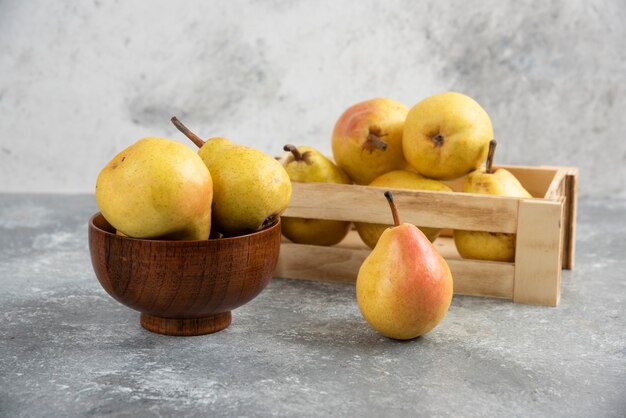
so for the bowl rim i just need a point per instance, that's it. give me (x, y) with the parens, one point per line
(267, 229)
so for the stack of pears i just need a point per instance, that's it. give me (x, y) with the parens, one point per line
(381, 142)
(161, 189)
(404, 286)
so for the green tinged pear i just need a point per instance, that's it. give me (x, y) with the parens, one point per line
(307, 165)
(250, 188)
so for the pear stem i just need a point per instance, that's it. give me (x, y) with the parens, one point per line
(296, 154)
(492, 152)
(373, 140)
(394, 208)
(194, 138)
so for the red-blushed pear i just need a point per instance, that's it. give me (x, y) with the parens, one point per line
(404, 287)
(367, 139)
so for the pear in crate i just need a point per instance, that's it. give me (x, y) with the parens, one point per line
(307, 165)
(251, 189)
(156, 188)
(446, 136)
(495, 181)
(404, 287)
(400, 179)
(367, 139)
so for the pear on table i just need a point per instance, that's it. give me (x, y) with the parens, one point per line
(307, 165)
(156, 188)
(251, 189)
(404, 287)
(494, 181)
(400, 179)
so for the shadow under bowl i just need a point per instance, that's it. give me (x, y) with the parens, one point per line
(183, 287)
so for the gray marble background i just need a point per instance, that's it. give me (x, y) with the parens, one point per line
(79, 81)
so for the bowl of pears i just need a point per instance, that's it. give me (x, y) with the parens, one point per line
(185, 237)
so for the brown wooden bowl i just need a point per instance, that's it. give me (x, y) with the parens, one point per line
(183, 287)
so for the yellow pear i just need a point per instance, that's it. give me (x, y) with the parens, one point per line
(489, 245)
(404, 286)
(446, 136)
(251, 189)
(307, 165)
(367, 139)
(400, 179)
(156, 188)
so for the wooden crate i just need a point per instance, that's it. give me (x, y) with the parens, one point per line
(544, 224)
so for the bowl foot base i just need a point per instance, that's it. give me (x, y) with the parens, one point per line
(186, 327)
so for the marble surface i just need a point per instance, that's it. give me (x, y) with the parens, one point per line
(83, 80)
(300, 348)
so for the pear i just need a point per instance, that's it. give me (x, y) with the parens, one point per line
(446, 136)
(251, 189)
(367, 139)
(307, 165)
(400, 179)
(156, 188)
(489, 245)
(404, 287)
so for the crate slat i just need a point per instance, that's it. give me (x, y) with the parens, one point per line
(327, 264)
(341, 264)
(482, 278)
(538, 252)
(436, 209)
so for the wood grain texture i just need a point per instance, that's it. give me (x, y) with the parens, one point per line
(341, 264)
(435, 209)
(569, 218)
(571, 212)
(329, 264)
(565, 185)
(186, 327)
(538, 252)
(482, 278)
(183, 280)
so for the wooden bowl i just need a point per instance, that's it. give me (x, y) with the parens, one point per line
(183, 287)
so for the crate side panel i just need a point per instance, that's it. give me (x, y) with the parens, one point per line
(482, 278)
(341, 265)
(311, 262)
(565, 186)
(571, 203)
(434, 209)
(538, 253)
